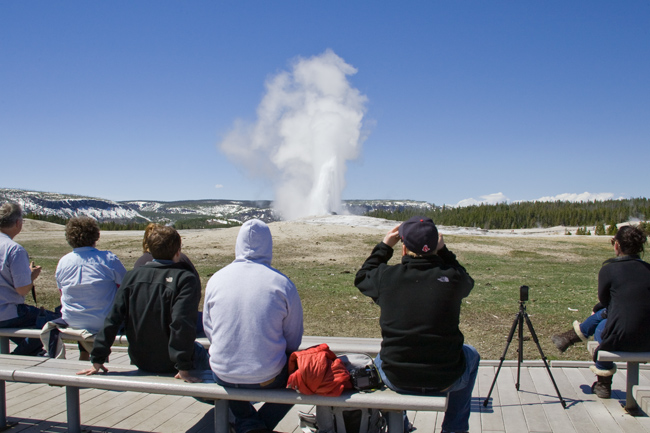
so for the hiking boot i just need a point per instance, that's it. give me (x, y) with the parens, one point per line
(602, 387)
(567, 339)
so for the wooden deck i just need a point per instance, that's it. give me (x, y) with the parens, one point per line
(534, 408)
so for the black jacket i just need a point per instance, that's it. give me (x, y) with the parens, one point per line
(420, 300)
(624, 289)
(158, 304)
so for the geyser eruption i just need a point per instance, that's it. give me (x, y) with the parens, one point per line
(308, 125)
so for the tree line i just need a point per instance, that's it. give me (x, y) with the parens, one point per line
(523, 215)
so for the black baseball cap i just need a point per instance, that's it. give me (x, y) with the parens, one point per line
(419, 234)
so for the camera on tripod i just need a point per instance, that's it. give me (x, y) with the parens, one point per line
(523, 293)
(518, 325)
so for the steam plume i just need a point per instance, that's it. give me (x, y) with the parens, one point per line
(308, 125)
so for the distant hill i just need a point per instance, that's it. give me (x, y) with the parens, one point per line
(188, 213)
(68, 205)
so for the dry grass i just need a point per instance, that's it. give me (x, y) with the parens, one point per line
(322, 261)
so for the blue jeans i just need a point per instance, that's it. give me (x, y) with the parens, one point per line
(201, 360)
(269, 415)
(594, 325)
(29, 317)
(460, 392)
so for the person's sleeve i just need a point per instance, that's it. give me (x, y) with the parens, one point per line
(465, 282)
(183, 325)
(58, 276)
(208, 310)
(21, 274)
(598, 307)
(368, 277)
(106, 336)
(118, 270)
(293, 323)
(604, 286)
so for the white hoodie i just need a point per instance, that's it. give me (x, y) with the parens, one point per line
(252, 313)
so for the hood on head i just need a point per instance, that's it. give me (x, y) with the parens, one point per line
(254, 243)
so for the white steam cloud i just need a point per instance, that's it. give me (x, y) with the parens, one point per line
(309, 123)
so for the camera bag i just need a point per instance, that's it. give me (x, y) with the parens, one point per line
(365, 378)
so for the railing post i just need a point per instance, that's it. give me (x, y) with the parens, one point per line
(4, 344)
(395, 421)
(632, 380)
(73, 409)
(221, 416)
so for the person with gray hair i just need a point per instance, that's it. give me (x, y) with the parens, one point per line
(17, 275)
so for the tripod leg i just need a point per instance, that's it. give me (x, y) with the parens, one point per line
(520, 355)
(503, 357)
(548, 369)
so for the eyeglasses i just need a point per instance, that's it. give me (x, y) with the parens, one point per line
(613, 241)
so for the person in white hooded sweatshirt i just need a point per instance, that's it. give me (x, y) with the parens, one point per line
(252, 316)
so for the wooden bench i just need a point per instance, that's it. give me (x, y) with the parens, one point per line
(633, 359)
(337, 344)
(60, 372)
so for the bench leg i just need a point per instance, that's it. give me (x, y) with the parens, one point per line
(4, 425)
(221, 424)
(395, 421)
(4, 345)
(73, 409)
(3, 405)
(632, 380)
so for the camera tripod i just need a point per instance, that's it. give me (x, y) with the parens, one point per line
(519, 323)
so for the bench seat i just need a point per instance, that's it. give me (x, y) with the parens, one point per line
(124, 378)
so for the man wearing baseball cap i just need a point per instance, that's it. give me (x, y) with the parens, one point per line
(422, 350)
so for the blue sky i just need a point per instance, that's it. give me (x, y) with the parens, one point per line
(500, 100)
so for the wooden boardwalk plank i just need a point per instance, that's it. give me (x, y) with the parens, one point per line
(555, 413)
(477, 406)
(513, 415)
(535, 408)
(578, 414)
(601, 419)
(625, 422)
(491, 416)
(531, 404)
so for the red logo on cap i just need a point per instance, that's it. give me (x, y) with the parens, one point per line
(426, 248)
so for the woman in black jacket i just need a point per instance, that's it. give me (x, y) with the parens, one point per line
(621, 320)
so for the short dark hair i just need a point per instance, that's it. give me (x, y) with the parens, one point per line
(82, 231)
(163, 242)
(10, 213)
(631, 239)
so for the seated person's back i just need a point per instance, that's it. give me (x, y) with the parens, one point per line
(87, 277)
(158, 304)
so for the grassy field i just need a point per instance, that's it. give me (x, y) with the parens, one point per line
(560, 271)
